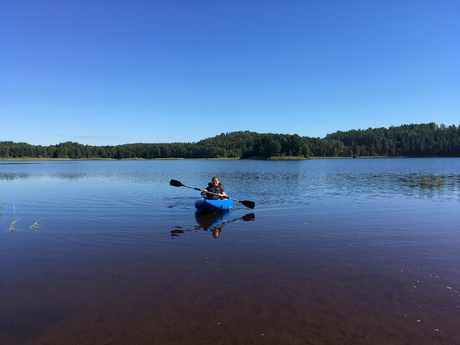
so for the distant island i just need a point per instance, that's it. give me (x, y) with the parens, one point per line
(413, 140)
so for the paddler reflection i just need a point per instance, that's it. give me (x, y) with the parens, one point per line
(215, 221)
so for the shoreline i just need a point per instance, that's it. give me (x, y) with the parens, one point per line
(286, 158)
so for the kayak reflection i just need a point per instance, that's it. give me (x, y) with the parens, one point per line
(215, 221)
(212, 222)
(209, 220)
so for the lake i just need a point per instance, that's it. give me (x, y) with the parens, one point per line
(336, 251)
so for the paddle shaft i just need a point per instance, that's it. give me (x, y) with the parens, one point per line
(202, 190)
(247, 203)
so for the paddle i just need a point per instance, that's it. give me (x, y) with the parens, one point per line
(247, 203)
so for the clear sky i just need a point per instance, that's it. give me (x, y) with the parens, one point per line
(109, 72)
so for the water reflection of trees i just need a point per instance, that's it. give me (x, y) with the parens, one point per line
(73, 176)
(25, 176)
(408, 184)
(290, 189)
(70, 176)
(14, 176)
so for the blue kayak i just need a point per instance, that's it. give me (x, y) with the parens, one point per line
(203, 204)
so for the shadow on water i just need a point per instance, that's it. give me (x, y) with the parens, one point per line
(212, 222)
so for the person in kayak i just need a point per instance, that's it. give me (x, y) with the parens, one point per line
(214, 190)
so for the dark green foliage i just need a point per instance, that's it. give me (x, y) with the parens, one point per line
(423, 140)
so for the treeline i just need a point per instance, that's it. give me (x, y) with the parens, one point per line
(415, 140)
(422, 140)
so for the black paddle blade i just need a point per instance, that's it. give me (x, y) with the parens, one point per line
(248, 217)
(247, 203)
(175, 183)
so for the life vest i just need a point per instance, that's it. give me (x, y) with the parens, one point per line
(219, 189)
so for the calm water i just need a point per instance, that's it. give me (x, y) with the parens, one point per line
(348, 251)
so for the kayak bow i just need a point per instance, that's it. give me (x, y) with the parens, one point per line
(203, 204)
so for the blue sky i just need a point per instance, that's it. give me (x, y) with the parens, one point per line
(109, 72)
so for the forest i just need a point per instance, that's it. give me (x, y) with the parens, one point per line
(413, 140)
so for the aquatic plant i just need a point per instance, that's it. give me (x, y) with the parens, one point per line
(439, 181)
(430, 181)
(14, 221)
(35, 226)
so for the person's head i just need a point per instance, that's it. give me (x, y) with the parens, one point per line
(216, 231)
(215, 181)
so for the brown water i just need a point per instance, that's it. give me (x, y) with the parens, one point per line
(124, 260)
